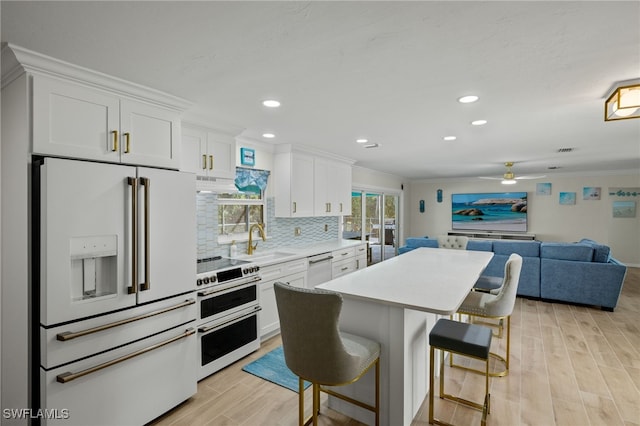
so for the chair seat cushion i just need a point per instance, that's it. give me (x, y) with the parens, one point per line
(468, 339)
(488, 283)
(362, 348)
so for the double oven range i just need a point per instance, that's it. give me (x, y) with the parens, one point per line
(228, 321)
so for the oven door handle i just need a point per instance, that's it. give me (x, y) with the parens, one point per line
(221, 288)
(217, 326)
(68, 376)
(68, 335)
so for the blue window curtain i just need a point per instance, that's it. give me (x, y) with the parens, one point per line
(251, 180)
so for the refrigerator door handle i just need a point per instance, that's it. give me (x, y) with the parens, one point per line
(146, 285)
(133, 182)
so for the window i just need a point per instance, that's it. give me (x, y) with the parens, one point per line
(237, 212)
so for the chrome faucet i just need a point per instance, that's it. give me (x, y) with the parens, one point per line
(251, 247)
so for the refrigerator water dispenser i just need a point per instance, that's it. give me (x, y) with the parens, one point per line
(93, 266)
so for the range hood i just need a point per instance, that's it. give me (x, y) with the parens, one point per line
(217, 185)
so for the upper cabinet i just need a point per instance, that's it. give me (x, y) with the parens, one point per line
(207, 153)
(309, 184)
(79, 113)
(332, 188)
(293, 184)
(73, 120)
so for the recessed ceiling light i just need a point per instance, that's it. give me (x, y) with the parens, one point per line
(479, 122)
(362, 140)
(271, 103)
(468, 99)
(268, 135)
(449, 138)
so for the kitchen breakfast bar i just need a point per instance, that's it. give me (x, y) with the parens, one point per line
(397, 302)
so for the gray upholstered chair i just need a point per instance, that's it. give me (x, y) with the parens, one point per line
(317, 351)
(458, 242)
(495, 305)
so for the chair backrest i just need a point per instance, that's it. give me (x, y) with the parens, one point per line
(313, 348)
(504, 299)
(458, 242)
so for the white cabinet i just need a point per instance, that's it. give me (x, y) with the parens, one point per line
(293, 184)
(207, 153)
(78, 121)
(332, 188)
(294, 273)
(344, 262)
(311, 185)
(362, 256)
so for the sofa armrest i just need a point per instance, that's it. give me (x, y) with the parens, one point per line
(589, 283)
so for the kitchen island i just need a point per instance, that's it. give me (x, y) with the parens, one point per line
(397, 302)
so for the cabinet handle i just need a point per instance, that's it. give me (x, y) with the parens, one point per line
(127, 142)
(295, 208)
(68, 376)
(328, 207)
(115, 140)
(345, 268)
(204, 162)
(211, 162)
(340, 207)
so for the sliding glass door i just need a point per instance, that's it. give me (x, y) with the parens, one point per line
(374, 218)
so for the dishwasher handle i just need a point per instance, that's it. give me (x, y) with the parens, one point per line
(324, 259)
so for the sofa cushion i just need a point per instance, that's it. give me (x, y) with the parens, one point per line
(601, 253)
(523, 248)
(422, 242)
(566, 251)
(480, 245)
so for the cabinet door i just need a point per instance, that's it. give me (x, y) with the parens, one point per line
(339, 178)
(269, 321)
(221, 158)
(321, 203)
(72, 120)
(150, 135)
(194, 151)
(301, 185)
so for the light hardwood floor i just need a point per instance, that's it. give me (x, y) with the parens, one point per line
(570, 365)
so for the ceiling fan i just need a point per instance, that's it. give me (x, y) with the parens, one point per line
(509, 178)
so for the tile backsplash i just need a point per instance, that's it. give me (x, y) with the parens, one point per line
(281, 232)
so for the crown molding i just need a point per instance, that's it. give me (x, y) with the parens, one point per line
(17, 60)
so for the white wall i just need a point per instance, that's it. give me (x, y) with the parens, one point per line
(549, 220)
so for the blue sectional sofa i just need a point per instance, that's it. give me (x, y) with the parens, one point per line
(582, 272)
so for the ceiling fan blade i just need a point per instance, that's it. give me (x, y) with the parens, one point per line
(489, 177)
(531, 177)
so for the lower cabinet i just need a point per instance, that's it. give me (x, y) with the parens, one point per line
(294, 273)
(362, 256)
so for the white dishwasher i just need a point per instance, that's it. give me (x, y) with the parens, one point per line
(319, 269)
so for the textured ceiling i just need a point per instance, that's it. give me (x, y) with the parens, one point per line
(386, 71)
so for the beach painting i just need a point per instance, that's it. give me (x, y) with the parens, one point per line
(498, 211)
(567, 198)
(624, 209)
(543, 188)
(591, 193)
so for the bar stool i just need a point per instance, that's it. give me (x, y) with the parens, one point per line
(470, 340)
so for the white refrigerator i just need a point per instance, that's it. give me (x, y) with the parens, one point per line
(113, 301)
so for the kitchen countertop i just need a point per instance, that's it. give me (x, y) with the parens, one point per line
(425, 279)
(289, 253)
